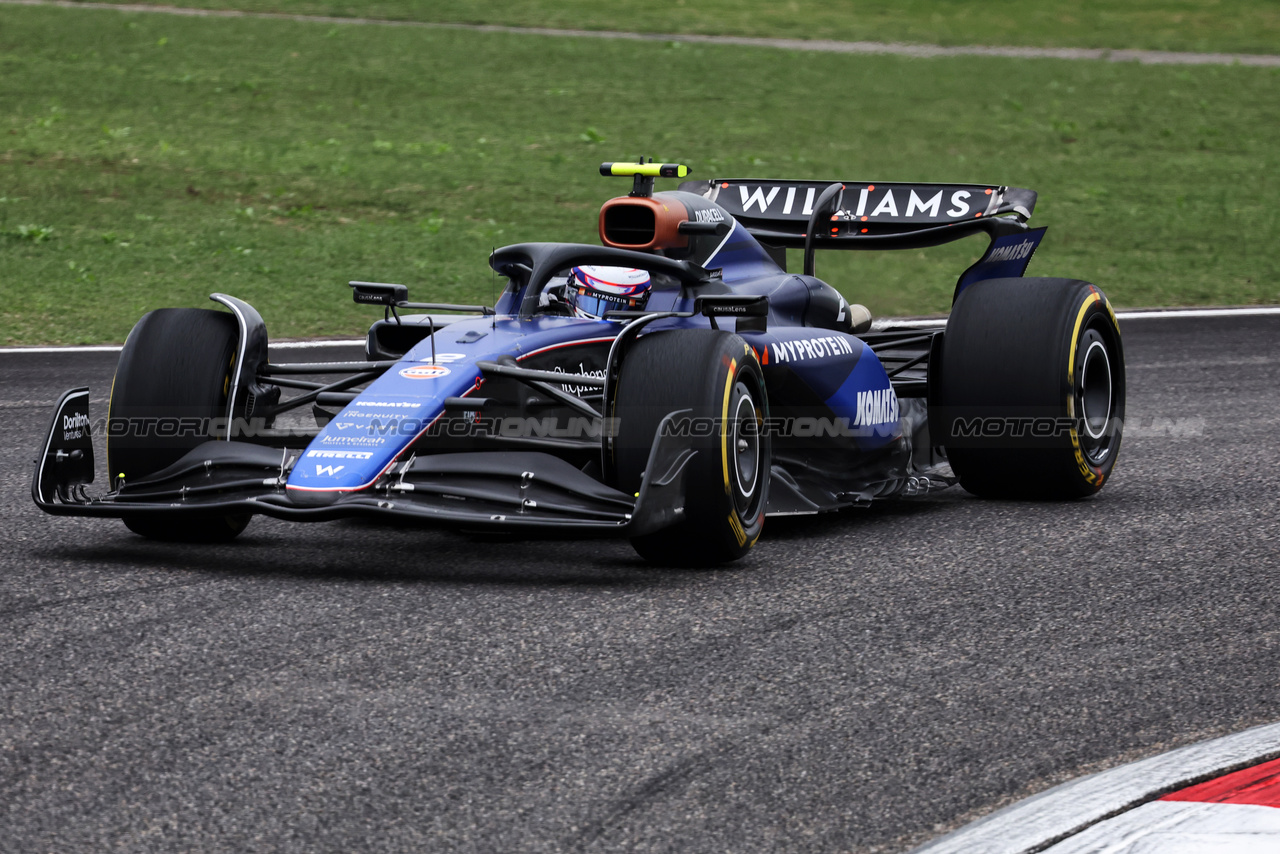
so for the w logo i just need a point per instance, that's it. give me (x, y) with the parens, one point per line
(757, 198)
(329, 470)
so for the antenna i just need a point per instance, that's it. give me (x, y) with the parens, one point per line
(642, 185)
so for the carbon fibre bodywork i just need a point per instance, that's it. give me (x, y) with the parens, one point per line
(503, 419)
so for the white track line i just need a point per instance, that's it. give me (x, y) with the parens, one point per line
(304, 345)
(1039, 821)
(925, 51)
(115, 348)
(1158, 313)
(1137, 314)
(919, 323)
(96, 348)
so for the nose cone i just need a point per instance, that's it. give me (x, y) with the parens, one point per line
(313, 498)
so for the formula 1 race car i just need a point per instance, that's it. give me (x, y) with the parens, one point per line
(674, 386)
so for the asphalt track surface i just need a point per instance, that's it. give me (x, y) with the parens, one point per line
(861, 682)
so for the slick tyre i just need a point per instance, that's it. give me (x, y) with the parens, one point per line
(198, 529)
(1028, 389)
(716, 376)
(173, 376)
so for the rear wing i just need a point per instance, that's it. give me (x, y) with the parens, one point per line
(867, 215)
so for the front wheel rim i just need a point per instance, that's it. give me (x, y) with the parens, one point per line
(746, 442)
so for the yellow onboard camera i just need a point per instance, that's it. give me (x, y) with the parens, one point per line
(644, 173)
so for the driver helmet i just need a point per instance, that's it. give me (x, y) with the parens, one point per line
(592, 291)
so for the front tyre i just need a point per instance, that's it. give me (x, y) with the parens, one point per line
(172, 380)
(716, 375)
(1028, 395)
(198, 529)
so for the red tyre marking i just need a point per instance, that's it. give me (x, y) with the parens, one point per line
(1258, 786)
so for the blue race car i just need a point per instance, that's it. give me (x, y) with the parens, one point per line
(674, 386)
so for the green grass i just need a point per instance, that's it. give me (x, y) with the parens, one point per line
(1249, 26)
(148, 160)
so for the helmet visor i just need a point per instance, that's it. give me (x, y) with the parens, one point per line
(595, 290)
(592, 303)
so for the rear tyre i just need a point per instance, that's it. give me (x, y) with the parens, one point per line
(716, 375)
(173, 376)
(1029, 389)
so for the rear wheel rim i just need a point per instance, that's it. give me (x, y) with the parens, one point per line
(1096, 401)
(1095, 390)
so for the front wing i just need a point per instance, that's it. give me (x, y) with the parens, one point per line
(515, 490)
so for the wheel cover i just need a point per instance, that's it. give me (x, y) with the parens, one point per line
(746, 441)
(1095, 390)
(1096, 404)
(746, 449)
